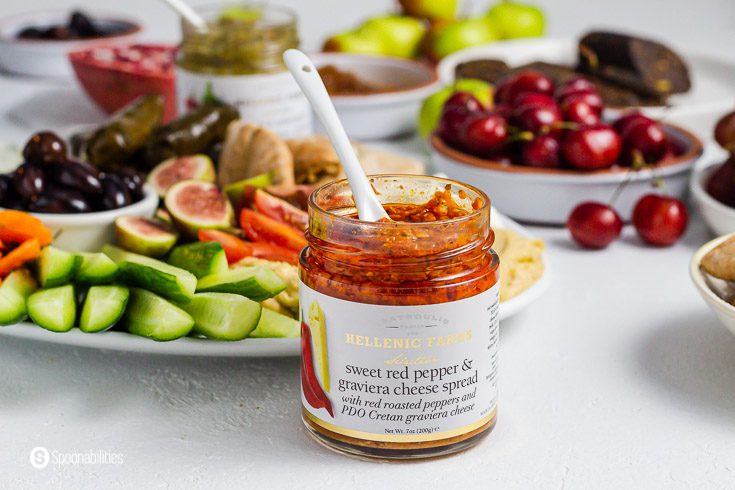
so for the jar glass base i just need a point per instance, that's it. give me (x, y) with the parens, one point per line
(396, 451)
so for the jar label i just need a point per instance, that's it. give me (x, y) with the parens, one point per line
(399, 373)
(273, 100)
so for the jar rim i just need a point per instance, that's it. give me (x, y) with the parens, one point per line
(289, 13)
(441, 181)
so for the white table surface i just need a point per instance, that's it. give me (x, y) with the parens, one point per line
(619, 377)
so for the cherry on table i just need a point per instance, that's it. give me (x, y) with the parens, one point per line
(590, 97)
(623, 122)
(580, 112)
(660, 220)
(572, 85)
(537, 118)
(594, 225)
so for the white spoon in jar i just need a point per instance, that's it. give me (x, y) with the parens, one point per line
(188, 13)
(307, 76)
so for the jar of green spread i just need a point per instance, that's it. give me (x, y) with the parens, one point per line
(237, 59)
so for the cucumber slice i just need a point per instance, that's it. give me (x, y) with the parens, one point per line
(103, 307)
(96, 269)
(54, 309)
(57, 267)
(156, 276)
(149, 315)
(13, 293)
(223, 316)
(276, 325)
(257, 283)
(201, 258)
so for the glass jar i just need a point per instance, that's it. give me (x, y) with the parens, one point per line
(399, 321)
(238, 60)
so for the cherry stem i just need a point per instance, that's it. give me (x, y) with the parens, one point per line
(521, 136)
(566, 125)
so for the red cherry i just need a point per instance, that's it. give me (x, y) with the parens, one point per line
(485, 134)
(542, 151)
(574, 84)
(457, 110)
(591, 147)
(578, 111)
(622, 123)
(504, 110)
(533, 99)
(594, 225)
(660, 220)
(643, 139)
(537, 119)
(513, 85)
(591, 98)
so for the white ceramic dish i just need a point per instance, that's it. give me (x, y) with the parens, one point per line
(724, 310)
(719, 217)
(87, 232)
(385, 114)
(121, 341)
(712, 79)
(44, 58)
(548, 196)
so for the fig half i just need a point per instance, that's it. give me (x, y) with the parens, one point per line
(173, 170)
(195, 205)
(145, 236)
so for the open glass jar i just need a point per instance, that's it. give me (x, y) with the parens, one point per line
(238, 60)
(400, 320)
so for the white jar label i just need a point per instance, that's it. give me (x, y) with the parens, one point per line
(273, 100)
(399, 373)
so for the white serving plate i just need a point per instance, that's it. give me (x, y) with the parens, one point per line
(384, 114)
(548, 196)
(121, 341)
(711, 95)
(725, 311)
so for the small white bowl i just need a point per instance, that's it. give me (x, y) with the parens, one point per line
(548, 196)
(87, 232)
(48, 58)
(724, 310)
(385, 114)
(719, 217)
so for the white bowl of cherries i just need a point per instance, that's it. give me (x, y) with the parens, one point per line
(542, 150)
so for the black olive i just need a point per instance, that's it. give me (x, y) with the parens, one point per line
(82, 26)
(45, 147)
(115, 194)
(78, 175)
(29, 180)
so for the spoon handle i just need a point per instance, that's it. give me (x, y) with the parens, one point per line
(307, 76)
(188, 13)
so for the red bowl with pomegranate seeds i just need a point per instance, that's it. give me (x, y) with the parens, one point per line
(113, 76)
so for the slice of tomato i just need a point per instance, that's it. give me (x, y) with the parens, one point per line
(237, 249)
(279, 210)
(261, 228)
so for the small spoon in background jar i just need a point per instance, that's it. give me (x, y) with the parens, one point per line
(307, 76)
(189, 14)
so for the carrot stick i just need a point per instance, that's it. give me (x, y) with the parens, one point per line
(16, 258)
(17, 227)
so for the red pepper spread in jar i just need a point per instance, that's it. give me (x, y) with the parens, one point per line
(399, 319)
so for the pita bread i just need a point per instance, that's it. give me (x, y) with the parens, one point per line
(315, 161)
(720, 261)
(251, 150)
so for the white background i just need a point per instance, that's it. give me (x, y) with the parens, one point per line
(618, 378)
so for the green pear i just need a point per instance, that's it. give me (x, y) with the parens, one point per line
(430, 9)
(462, 34)
(431, 109)
(401, 34)
(357, 42)
(517, 20)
